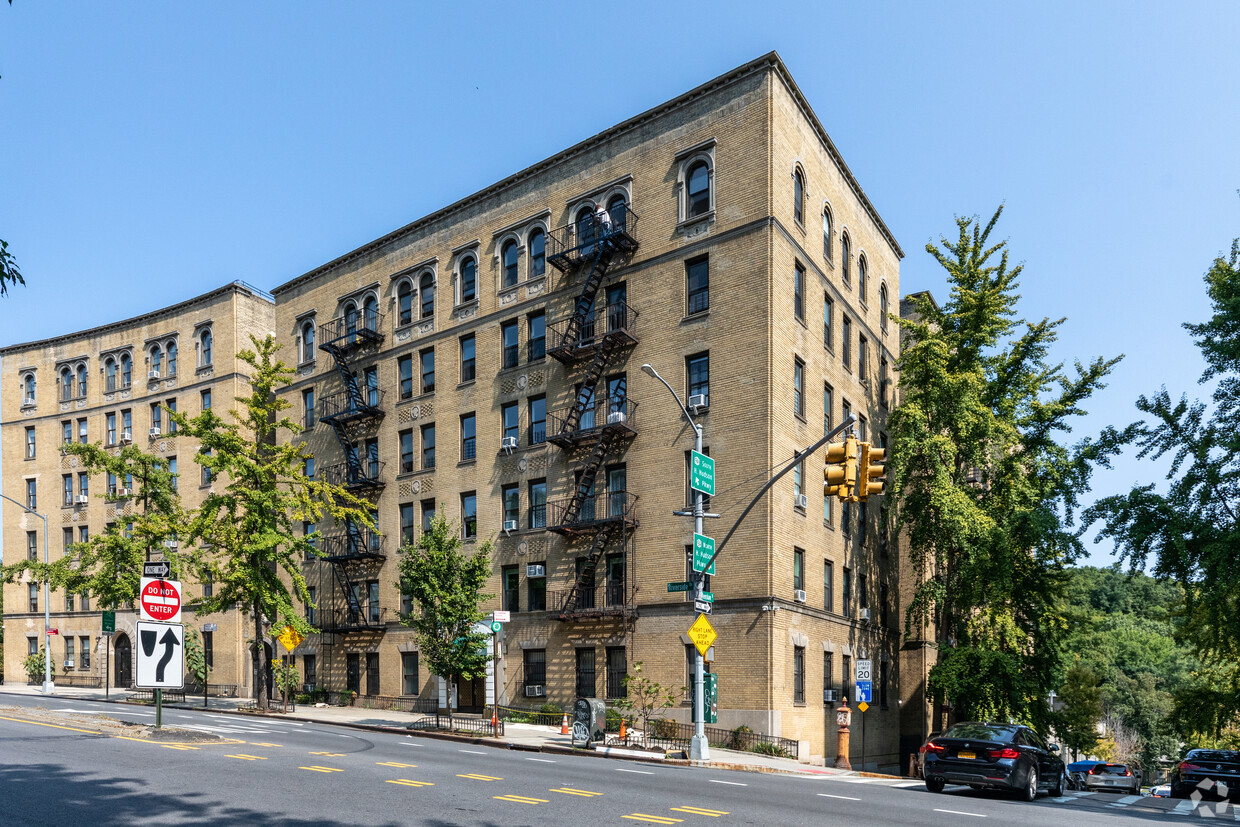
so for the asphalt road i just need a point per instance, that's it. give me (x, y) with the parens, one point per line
(280, 772)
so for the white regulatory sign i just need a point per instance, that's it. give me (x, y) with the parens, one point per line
(865, 671)
(161, 656)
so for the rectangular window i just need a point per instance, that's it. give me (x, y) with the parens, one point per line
(537, 344)
(428, 370)
(510, 420)
(798, 674)
(308, 528)
(882, 685)
(309, 670)
(798, 482)
(798, 388)
(171, 405)
(83, 484)
(798, 569)
(863, 350)
(617, 669)
(428, 446)
(308, 468)
(428, 514)
(798, 291)
(469, 448)
(110, 428)
(697, 285)
(32, 596)
(828, 320)
(69, 601)
(372, 673)
(66, 539)
(172, 470)
(307, 407)
(538, 420)
(408, 522)
(510, 578)
(206, 470)
(847, 592)
(586, 684)
(697, 369)
(847, 342)
(828, 585)
(510, 354)
(534, 667)
(83, 534)
(467, 358)
(30, 442)
(70, 649)
(828, 667)
(66, 432)
(84, 647)
(82, 434)
(536, 589)
(469, 515)
(370, 380)
(66, 481)
(372, 590)
(404, 369)
(311, 607)
(846, 678)
(127, 422)
(409, 683)
(538, 503)
(32, 646)
(32, 493)
(206, 399)
(883, 370)
(862, 599)
(157, 418)
(405, 438)
(85, 601)
(32, 545)
(208, 585)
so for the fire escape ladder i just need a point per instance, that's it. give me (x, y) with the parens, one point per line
(585, 300)
(353, 609)
(589, 472)
(589, 567)
(351, 456)
(587, 395)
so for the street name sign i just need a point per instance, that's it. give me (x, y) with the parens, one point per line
(109, 622)
(703, 550)
(678, 586)
(160, 600)
(709, 597)
(701, 606)
(209, 627)
(161, 656)
(161, 569)
(702, 634)
(702, 474)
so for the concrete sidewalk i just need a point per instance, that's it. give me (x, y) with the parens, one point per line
(531, 737)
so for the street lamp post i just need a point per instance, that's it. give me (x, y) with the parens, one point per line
(48, 686)
(699, 747)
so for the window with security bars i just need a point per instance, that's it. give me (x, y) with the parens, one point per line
(586, 686)
(534, 667)
(409, 673)
(617, 668)
(372, 673)
(798, 674)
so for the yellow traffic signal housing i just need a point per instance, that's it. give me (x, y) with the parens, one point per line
(840, 478)
(871, 480)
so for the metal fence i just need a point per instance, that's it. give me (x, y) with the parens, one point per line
(676, 735)
(458, 723)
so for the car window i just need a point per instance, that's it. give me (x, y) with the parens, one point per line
(1031, 738)
(981, 732)
(1115, 769)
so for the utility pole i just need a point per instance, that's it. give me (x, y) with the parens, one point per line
(48, 686)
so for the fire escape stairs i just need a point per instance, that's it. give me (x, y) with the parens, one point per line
(588, 567)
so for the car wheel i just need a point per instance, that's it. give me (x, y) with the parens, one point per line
(935, 785)
(1057, 790)
(1030, 791)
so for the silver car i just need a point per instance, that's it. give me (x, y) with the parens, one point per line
(1113, 777)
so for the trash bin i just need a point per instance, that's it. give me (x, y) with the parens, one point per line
(589, 720)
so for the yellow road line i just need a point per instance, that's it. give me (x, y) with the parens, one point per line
(477, 777)
(321, 769)
(263, 744)
(409, 783)
(330, 754)
(53, 726)
(699, 811)
(393, 764)
(177, 746)
(520, 799)
(655, 819)
(245, 757)
(571, 791)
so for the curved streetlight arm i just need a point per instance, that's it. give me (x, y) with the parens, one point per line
(48, 686)
(697, 429)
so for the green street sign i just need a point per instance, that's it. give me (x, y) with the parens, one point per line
(709, 597)
(702, 473)
(678, 586)
(703, 550)
(109, 622)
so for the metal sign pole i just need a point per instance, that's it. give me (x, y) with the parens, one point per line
(107, 666)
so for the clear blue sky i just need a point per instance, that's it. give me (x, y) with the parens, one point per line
(153, 151)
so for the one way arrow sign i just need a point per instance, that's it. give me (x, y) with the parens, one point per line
(161, 656)
(159, 568)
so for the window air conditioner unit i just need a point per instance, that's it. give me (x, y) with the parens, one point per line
(153, 374)
(697, 403)
(124, 492)
(799, 595)
(68, 663)
(508, 443)
(126, 438)
(82, 499)
(536, 570)
(535, 691)
(616, 418)
(510, 525)
(29, 400)
(828, 696)
(802, 501)
(865, 614)
(171, 543)
(154, 432)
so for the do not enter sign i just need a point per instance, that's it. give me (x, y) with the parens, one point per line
(160, 600)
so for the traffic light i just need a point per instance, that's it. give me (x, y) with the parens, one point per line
(871, 479)
(840, 478)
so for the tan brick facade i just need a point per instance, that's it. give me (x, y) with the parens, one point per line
(166, 359)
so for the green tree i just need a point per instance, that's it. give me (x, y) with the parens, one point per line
(1190, 532)
(445, 587)
(1082, 710)
(979, 483)
(644, 698)
(250, 522)
(9, 272)
(196, 660)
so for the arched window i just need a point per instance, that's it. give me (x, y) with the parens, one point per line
(469, 279)
(618, 209)
(863, 273)
(882, 306)
(126, 370)
(109, 372)
(404, 303)
(370, 312)
(350, 317)
(426, 286)
(697, 189)
(172, 358)
(28, 389)
(307, 341)
(798, 197)
(845, 254)
(204, 341)
(585, 229)
(509, 256)
(826, 232)
(81, 377)
(157, 362)
(66, 384)
(538, 253)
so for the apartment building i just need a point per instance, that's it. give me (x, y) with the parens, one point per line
(112, 386)
(484, 362)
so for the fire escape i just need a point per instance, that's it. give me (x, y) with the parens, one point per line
(601, 417)
(354, 552)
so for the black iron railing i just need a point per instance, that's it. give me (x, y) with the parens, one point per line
(351, 330)
(356, 544)
(368, 474)
(601, 414)
(354, 618)
(600, 507)
(605, 598)
(567, 246)
(616, 321)
(340, 406)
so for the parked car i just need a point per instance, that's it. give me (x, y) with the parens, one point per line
(1211, 771)
(1161, 791)
(992, 756)
(1113, 777)
(1077, 771)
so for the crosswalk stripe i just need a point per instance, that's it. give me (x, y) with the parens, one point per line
(1184, 808)
(1126, 800)
(698, 811)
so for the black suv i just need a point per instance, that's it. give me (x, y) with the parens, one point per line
(993, 756)
(1214, 772)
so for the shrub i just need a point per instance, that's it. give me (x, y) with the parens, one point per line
(613, 720)
(738, 740)
(767, 748)
(346, 697)
(551, 706)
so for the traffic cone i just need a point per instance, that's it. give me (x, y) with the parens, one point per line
(564, 725)
(622, 735)
(494, 721)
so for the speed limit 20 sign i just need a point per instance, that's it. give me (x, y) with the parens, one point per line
(160, 600)
(865, 671)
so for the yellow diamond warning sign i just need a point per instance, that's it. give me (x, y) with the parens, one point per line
(702, 634)
(290, 638)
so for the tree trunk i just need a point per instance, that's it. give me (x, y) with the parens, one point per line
(260, 695)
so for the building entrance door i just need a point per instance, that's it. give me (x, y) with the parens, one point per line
(124, 662)
(471, 696)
